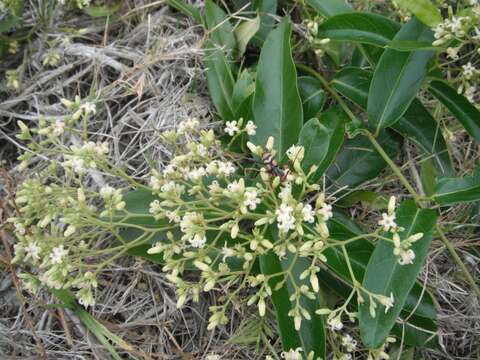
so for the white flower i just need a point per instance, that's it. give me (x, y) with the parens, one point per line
(198, 241)
(155, 183)
(335, 323)
(251, 199)
(286, 192)
(188, 125)
(470, 92)
(155, 207)
(387, 302)
(58, 128)
(193, 226)
(388, 222)
(251, 128)
(308, 213)
(33, 251)
(236, 187)
(452, 52)
(296, 153)
(285, 218)
(78, 165)
(57, 255)
(231, 128)
(292, 354)
(88, 108)
(468, 70)
(225, 168)
(173, 216)
(169, 170)
(107, 191)
(325, 211)
(406, 257)
(213, 357)
(349, 343)
(196, 174)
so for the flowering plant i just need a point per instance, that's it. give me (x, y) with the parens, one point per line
(256, 206)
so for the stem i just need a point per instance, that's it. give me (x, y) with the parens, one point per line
(458, 260)
(327, 87)
(392, 165)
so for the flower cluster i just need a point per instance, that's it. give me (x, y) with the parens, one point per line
(206, 209)
(459, 34)
(401, 248)
(319, 45)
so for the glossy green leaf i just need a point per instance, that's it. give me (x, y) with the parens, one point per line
(359, 27)
(186, 9)
(311, 336)
(417, 124)
(222, 33)
(315, 139)
(459, 106)
(329, 8)
(220, 81)
(411, 45)
(385, 276)
(398, 77)
(245, 32)
(242, 90)
(312, 95)
(428, 176)
(358, 161)
(334, 121)
(267, 10)
(277, 107)
(458, 190)
(425, 10)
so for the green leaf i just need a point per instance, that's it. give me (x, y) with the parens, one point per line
(398, 77)
(312, 95)
(428, 176)
(458, 190)
(315, 139)
(334, 121)
(277, 108)
(222, 33)
(411, 45)
(358, 161)
(102, 10)
(417, 124)
(8, 22)
(311, 336)
(459, 106)
(359, 27)
(245, 32)
(220, 82)
(242, 90)
(267, 10)
(385, 276)
(187, 9)
(424, 10)
(329, 8)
